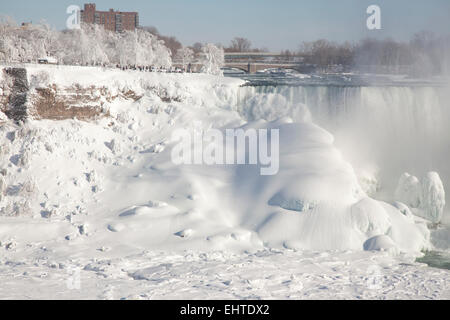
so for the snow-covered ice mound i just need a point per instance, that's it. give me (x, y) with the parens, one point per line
(314, 202)
(112, 185)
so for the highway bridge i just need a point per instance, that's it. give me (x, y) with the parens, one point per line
(252, 62)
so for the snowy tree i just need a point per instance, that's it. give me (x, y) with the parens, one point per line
(185, 55)
(8, 39)
(126, 48)
(95, 42)
(90, 45)
(213, 59)
(24, 43)
(162, 56)
(142, 48)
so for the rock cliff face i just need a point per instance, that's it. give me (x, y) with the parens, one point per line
(15, 90)
(19, 101)
(65, 103)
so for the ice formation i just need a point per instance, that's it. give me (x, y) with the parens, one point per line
(426, 196)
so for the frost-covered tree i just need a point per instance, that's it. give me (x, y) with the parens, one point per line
(95, 42)
(142, 48)
(185, 55)
(162, 56)
(126, 48)
(24, 43)
(90, 45)
(213, 59)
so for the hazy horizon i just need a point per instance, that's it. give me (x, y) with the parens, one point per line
(267, 24)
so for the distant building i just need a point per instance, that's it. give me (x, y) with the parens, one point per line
(112, 20)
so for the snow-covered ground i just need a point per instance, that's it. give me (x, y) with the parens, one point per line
(99, 210)
(267, 274)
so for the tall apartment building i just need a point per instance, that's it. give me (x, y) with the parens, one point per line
(112, 20)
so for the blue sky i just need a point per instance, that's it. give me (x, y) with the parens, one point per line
(276, 25)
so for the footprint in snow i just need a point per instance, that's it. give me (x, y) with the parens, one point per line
(142, 210)
(116, 227)
(184, 233)
(135, 211)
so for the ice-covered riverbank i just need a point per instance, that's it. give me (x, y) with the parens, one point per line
(267, 274)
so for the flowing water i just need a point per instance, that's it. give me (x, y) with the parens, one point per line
(395, 126)
(436, 259)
